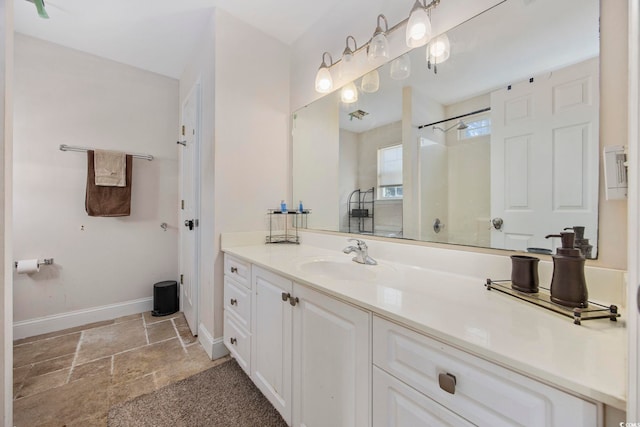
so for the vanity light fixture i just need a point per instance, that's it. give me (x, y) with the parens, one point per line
(378, 48)
(418, 31)
(438, 51)
(370, 82)
(401, 67)
(346, 63)
(324, 82)
(349, 93)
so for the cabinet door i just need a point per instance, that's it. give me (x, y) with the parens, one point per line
(271, 346)
(331, 362)
(395, 404)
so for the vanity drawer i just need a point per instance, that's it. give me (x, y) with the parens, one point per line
(238, 269)
(479, 391)
(238, 341)
(237, 300)
(395, 404)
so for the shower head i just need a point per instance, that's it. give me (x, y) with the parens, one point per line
(460, 126)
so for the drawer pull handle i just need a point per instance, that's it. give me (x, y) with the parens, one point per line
(233, 340)
(234, 269)
(233, 301)
(447, 382)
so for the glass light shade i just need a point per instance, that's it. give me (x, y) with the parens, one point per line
(439, 49)
(370, 82)
(418, 30)
(324, 82)
(349, 93)
(378, 48)
(346, 65)
(401, 67)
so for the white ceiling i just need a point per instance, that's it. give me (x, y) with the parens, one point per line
(157, 35)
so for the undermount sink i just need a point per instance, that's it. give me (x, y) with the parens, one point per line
(342, 268)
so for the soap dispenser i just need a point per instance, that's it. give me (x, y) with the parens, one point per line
(568, 285)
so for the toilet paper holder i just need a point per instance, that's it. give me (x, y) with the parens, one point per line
(46, 261)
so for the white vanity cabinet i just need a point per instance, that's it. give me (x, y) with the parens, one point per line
(271, 356)
(310, 353)
(331, 362)
(475, 390)
(237, 310)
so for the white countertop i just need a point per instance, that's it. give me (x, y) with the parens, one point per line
(589, 359)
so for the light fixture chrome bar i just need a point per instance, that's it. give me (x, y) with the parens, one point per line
(430, 6)
(456, 117)
(65, 147)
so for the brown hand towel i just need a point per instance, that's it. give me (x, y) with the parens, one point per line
(107, 201)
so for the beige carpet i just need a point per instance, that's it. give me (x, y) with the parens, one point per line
(221, 396)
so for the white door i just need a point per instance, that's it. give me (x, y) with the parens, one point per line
(189, 207)
(271, 339)
(544, 157)
(331, 362)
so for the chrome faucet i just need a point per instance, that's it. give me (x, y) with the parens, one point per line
(361, 252)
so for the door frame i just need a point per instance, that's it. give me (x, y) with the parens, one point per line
(196, 89)
(633, 224)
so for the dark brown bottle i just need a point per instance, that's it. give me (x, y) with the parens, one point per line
(568, 284)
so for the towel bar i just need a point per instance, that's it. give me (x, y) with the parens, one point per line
(65, 147)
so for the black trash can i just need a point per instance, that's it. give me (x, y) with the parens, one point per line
(165, 298)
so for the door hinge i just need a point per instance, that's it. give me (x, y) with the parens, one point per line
(182, 130)
(182, 279)
(182, 204)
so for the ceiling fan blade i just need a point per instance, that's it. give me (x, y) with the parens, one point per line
(40, 8)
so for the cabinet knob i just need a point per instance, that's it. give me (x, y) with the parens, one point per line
(234, 269)
(294, 301)
(285, 296)
(233, 340)
(233, 301)
(447, 382)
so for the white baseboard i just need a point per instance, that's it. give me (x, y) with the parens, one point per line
(215, 348)
(71, 319)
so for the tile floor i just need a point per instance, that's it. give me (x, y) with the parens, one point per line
(72, 377)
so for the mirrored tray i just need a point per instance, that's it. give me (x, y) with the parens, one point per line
(542, 299)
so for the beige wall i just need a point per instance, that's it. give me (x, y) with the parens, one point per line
(612, 221)
(63, 96)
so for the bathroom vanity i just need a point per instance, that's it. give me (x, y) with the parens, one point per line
(332, 342)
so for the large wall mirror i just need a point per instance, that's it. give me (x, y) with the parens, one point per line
(495, 146)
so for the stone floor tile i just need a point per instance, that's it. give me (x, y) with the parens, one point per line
(128, 318)
(51, 365)
(184, 331)
(143, 361)
(100, 342)
(62, 332)
(67, 404)
(41, 383)
(100, 367)
(161, 331)
(149, 318)
(39, 351)
(19, 375)
(122, 392)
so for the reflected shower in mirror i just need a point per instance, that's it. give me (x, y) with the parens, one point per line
(496, 146)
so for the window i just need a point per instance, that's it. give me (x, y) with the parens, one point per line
(390, 172)
(476, 128)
